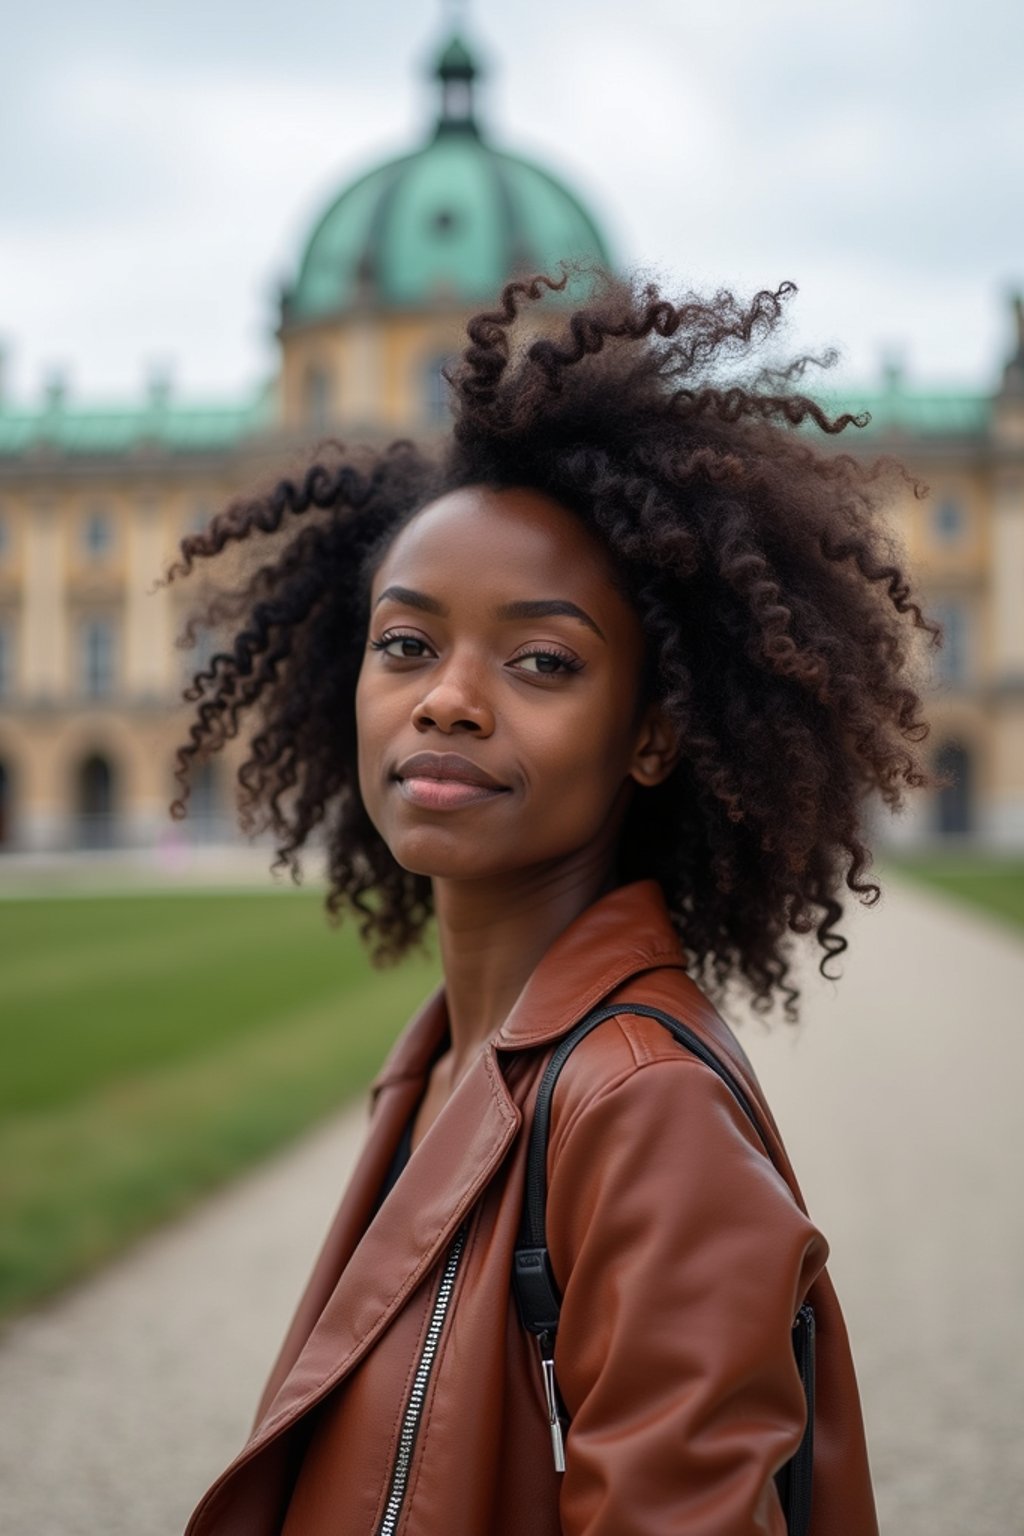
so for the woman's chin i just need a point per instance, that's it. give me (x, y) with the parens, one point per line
(444, 855)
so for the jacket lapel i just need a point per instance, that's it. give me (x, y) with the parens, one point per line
(404, 1072)
(388, 1260)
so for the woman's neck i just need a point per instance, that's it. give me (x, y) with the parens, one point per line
(492, 936)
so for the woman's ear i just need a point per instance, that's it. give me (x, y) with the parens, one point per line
(657, 748)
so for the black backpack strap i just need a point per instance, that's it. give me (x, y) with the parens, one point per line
(533, 1279)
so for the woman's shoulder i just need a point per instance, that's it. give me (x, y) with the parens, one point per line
(701, 1063)
(637, 1032)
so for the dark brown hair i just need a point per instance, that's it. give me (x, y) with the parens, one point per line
(779, 619)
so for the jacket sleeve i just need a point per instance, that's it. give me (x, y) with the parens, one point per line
(683, 1258)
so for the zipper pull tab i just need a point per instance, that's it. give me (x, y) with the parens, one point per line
(547, 1365)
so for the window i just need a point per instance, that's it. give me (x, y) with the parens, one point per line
(98, 658)
(206, 803)
(98, 534)
(198, 656)
(437, 391)
(95, 794)
(953, 660)
(319, 406)
(953, 802)
(5, 803)
(6, 661)
(199, 518)
(444, 222)
(949, 519)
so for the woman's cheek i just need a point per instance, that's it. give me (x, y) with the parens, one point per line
(368, 761)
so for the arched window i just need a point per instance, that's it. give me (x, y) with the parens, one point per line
(319, 404)
(437, 391)
(95, 802)
(5, 805)
(953, 807)
(206, 810)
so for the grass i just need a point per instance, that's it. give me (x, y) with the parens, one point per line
(154, 1046)
(993, 884)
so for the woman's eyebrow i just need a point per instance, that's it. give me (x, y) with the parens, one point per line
(525, 608)
(413, 599)
(546, 607)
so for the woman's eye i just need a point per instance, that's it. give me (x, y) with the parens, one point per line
(399, 645)
(548, 663)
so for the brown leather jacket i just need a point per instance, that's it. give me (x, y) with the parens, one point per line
(407, 1398)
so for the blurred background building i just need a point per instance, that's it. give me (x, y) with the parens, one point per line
(93, 501)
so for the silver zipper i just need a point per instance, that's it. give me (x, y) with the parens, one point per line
(546, 1345)
(417, 1397)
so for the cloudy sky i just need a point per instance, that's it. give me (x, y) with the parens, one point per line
(162, 166)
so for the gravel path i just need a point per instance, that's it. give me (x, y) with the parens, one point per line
(899, 1101)
(123, 1400)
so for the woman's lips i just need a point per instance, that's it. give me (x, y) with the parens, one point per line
(445, 794)
(445, 781)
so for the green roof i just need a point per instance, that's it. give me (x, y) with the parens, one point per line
(450, 222)
(118, 429)
(206, 428)
(926, 413)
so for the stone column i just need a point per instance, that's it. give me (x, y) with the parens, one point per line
(44, 650)
(149, 653)
(360, 402)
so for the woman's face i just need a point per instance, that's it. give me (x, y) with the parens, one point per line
(499, 647)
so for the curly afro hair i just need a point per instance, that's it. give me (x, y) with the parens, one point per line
(781, 628)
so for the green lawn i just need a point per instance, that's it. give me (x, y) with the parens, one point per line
(995, 885)
(154, 1045)
(151, 1046)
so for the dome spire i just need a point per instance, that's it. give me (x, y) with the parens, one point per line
(1013, 373)
(456, 70)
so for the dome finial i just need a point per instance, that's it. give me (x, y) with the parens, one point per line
(1013, 373)
(457, 70)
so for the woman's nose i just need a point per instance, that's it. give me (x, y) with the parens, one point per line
(454, 703)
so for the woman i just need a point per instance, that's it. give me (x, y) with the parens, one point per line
(600, 688)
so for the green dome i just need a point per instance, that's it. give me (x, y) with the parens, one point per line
(448, 223)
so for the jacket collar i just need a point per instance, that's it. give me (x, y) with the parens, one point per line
(623, 933)
(620, 935)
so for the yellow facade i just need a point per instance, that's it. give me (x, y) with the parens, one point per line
(965, 545)
(90, 676)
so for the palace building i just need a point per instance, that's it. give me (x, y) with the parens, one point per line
(93, 501)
